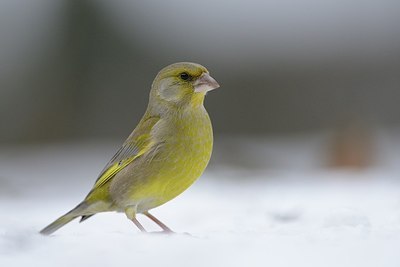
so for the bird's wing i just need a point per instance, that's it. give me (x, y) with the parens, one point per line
(137, 144)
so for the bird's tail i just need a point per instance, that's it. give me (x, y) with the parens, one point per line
(63, 220)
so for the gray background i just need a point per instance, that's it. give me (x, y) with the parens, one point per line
(73, 70)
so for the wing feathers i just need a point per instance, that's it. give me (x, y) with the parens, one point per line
(137, 144)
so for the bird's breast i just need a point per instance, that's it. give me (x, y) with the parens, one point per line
(187, 147)
(183, 150)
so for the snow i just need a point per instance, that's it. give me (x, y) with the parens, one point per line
(230, 217)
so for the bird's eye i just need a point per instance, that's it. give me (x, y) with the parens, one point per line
(184, 76)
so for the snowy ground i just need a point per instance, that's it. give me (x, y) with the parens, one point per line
(234, 217)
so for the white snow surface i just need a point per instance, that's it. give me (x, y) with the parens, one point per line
(230, 217)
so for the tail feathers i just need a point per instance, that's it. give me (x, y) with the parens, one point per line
(63, 220)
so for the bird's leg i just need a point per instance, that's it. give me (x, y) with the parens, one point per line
(137, 223)
(131, 214)
(165, 228)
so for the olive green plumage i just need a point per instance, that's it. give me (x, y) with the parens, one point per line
(168, 150)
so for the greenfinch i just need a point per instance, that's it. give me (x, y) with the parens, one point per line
(166, 152)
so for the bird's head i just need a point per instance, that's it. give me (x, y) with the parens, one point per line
(181, 84)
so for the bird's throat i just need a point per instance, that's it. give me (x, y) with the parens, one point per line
(197, 99)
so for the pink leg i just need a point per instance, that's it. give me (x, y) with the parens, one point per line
(137, 223)
(158, 222)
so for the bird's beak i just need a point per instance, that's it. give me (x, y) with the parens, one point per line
(205, 83)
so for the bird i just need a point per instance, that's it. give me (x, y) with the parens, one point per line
(165, 154)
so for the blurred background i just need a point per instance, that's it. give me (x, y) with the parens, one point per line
(304, 84)
(75, 70)
(307, 125)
